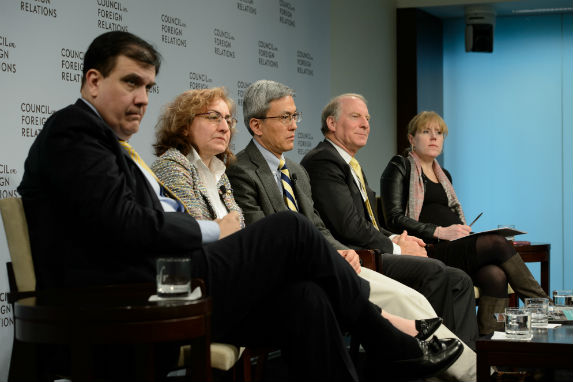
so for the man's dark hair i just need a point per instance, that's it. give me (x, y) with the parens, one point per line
(104, 50)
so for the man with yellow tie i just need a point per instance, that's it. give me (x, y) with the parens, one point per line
(345, 203)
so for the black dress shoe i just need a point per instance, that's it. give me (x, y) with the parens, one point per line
(427, 327)
(437, 356)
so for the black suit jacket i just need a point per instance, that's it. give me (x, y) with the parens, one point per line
(339, 202)
(93, 218)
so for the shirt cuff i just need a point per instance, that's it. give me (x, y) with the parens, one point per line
(397, 250)
(210, 230)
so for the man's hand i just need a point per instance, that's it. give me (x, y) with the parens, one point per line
(453, 232)
(352, 257)
(410, 245)
(229, 224)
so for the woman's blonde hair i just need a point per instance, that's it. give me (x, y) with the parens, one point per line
(179, 114)
(422, 119)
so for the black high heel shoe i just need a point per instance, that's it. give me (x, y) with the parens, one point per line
(427, 327)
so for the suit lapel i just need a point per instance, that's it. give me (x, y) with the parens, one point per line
(266, 178)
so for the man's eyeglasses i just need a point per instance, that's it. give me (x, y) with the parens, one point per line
(287, 118)
(216, 117)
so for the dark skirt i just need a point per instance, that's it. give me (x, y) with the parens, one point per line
(459, 253)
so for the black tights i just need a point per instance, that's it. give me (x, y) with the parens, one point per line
(491, 251)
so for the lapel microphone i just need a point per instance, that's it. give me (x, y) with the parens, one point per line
(293, 179)
(222, 190)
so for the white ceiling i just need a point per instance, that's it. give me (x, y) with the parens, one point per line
(455, 8)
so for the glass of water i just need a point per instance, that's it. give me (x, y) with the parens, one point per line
(173, 277)
(563, 297)
(517, 324)
(539, 308)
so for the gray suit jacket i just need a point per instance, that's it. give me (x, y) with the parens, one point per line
(258, 195)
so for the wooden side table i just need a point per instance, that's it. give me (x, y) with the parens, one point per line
(120, 314)
(549, 348)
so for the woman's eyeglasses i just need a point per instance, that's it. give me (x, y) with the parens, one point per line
(216, 117)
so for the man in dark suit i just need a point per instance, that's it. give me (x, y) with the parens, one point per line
(258, 189)
(97, 215)
(346, 204)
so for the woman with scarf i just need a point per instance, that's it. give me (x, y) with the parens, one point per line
(418, 197)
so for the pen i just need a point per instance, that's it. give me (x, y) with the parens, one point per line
(472, 223)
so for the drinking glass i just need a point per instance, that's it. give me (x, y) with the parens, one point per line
(173, 277)
(539, 308)
(517, 323)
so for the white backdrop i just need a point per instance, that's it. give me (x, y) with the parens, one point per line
(204, 43)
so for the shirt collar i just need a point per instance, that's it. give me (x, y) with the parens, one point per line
(91, 106)
(347, 157)
(271, 159)
(217, 167)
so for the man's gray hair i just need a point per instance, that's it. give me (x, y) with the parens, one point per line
(333, 109)
(259, 95)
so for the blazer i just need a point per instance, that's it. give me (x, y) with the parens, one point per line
(182, 178)
(93, 218)
(339, 201)
(395, 193)
(258, 195)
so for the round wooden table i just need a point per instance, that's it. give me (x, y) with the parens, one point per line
(115, 314)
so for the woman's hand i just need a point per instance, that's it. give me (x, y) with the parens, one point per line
(453, 232)
(229, 224)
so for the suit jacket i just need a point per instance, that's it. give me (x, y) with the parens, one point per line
(93, 218)
(182, 178)
(258, 195)
(339, 201)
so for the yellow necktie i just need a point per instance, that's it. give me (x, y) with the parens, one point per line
(288, 192)
(358, 170)
(139, 160)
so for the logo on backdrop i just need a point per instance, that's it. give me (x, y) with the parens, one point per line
(199, 80)
(172, 31)
(7, 47)
(72, 64)
(286, 11)
(42, 9)
(33, 118)
(112, 15)
(304, 63)
(223, 43)
(247, 6)
(241, 87)
(7, 175)
(304, 142)
(268, 54)
(6, 319)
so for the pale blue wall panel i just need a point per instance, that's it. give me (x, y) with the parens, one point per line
(505, 112)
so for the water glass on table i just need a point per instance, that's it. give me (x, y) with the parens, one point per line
(562, 297)
(173, 277)
(517, 324)
(539, 308)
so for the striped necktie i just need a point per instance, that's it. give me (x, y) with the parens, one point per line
(139, 160)
(288, 192)
(358, 170)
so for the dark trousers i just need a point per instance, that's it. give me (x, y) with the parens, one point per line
(278, 282)
(449, 290)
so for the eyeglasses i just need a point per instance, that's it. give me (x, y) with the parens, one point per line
(287, 118)
(216, 117)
